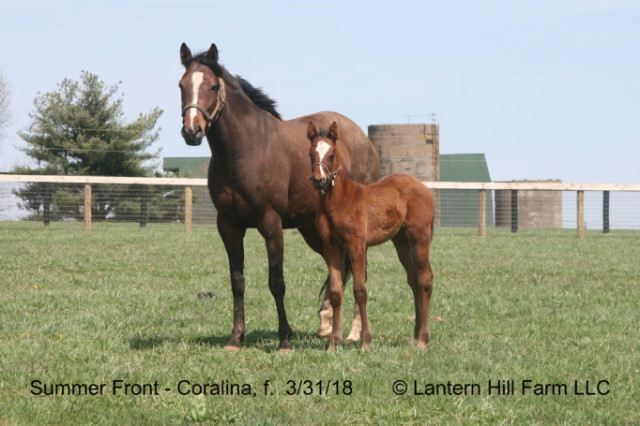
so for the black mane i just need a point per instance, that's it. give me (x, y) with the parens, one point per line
(259, 97)
(256, 94)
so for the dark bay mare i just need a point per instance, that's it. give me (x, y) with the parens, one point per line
(353, 216)
(259, 171)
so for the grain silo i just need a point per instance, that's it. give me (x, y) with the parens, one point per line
(536, 209)
(412, 149)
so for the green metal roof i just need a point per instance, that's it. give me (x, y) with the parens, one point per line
(460, 207)
(464, 168)
(192, 167)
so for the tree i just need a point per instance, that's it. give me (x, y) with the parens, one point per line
(5, 102)
(79, 129)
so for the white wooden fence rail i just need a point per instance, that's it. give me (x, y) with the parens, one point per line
(482, 187)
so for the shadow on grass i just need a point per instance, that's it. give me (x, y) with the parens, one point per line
(262, 340)
(144, 343)
(266, 340)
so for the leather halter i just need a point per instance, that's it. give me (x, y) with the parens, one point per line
(332, 176)
(215, 115)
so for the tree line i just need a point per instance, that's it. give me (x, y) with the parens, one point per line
(80, 129)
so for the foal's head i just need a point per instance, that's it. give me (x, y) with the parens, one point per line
(202, 93)
(323, 156)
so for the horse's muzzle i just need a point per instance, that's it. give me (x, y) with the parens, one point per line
(193, 137)
(319, 183)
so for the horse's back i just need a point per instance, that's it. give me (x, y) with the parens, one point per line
(410, 190)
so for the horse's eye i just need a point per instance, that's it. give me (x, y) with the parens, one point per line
(331, 157)
(215, 87)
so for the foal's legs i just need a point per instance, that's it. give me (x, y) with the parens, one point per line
(357, 252)
(425, 286)
(311, 237)
(413, 252)
(334, 256)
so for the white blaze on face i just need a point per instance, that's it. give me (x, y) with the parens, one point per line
(196, 81)
(322, 148)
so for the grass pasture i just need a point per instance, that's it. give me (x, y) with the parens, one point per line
(556, 317)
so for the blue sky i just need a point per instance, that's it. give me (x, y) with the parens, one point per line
(546, 89)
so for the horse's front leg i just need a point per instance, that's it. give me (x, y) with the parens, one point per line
(232, 237)
(334, 257)
(357, 252)
(271, 230)
(325, 313)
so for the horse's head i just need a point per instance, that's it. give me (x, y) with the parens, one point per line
(323, 156)
(203, 93)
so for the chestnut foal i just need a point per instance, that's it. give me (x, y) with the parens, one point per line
(353, 216)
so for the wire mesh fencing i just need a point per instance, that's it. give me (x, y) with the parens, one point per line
(486, 206)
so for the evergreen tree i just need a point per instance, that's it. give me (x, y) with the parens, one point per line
(79, 129)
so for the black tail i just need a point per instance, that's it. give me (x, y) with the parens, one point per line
(346, 275)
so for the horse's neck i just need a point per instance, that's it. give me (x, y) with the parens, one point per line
(338, 192)
(232, 137)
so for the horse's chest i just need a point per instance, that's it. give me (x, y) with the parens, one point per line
(233, 203)
(339, 227)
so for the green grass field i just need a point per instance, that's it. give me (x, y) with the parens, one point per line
(118, 308)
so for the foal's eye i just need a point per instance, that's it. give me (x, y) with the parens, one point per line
(215, 87)
(331, 157)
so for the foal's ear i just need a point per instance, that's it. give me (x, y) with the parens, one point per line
(213, 52)
(333, 132)
(185, 55)
(312, 132)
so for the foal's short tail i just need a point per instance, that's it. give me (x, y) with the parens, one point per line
(433, 219)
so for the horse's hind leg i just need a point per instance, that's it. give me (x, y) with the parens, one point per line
(424, 284)
(414, 256)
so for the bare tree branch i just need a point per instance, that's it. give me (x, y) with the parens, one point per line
(5, 103)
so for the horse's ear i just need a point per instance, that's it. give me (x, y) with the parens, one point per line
(213, 52)
(333, 132)
(312, 132)
(185, 55)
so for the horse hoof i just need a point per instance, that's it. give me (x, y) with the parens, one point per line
(326, 316)
(324, 332)
(353, 337)
(285, 350)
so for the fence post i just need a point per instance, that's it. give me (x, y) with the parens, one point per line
(144, 197)
(514, 210)
(188, 208)
(581, 215)
(482, 213)
(87, 208)
(605, 212)
(46, 203)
